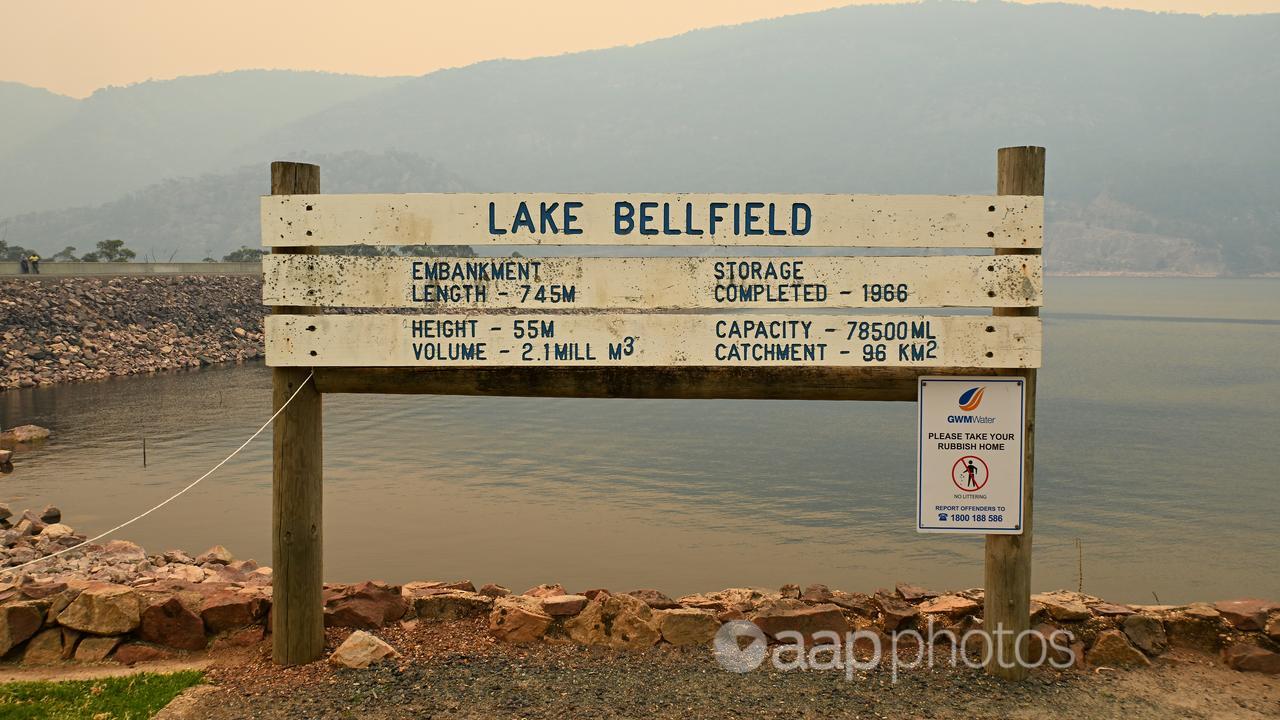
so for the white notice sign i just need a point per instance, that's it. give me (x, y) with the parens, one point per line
(970, 451)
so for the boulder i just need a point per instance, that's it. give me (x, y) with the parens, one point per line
(913, 593)
(1251, 658)
(6, 457)
(859, 603)
(790, 591)
(122, 551)
(740, 599)
(421, 589)
(216, 555)
(1112, 649)
(452, 605)
(518, 619)
(5, 512)
(178, 556)
(103, 609)
(949, 605)
(1063, 606)
(563, 605)
(56, 531)
(687, 626)
(1203, 611)
(1147, 633)
(802, 618)
(588, 627)
(169, 622)
(1194, 632)
(244, 637)
(44, 649)
(366, 605)
(135, 652)
(51, 514)
(25, 434)
(494, 591)
(595, 594)
(1273, 628)
(360, 650)
(96, 649)
(227, 610)
(1110, 609)
(895, 613)
(544, 590)
(1247, 615)
(654, 599)
(817, 593)
(632, 625)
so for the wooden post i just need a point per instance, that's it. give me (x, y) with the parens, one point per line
(1019, 171)
(297, 555)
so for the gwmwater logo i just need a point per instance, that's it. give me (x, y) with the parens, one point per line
(971, 398)
(969, 401)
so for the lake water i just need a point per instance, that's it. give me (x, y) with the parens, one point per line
(1159, 414)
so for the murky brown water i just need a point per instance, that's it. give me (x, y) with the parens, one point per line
(1157, 447)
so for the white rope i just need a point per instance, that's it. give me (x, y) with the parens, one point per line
(173, 497)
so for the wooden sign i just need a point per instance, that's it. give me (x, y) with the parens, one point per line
(1010, 221)
(449, 284)
(652, 339)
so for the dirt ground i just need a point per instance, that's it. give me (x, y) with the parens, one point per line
(454, 670)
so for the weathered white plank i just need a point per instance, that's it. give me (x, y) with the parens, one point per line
(459, 284)
(652, 340)
(654, 219)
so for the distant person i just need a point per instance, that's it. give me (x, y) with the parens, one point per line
(24, 265)
(35, 264)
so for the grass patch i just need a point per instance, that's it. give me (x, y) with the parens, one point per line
(133, 697)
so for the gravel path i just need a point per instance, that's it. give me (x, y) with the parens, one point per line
(454, 670)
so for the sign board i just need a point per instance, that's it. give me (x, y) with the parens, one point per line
(455, 284)
(652, 339)
(768, 220)
(970, 455)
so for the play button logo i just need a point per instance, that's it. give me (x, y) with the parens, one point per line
(740, 646)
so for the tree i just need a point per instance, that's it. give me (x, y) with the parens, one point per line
(244, 253)
(110, 251)
(12, 252)
(66, 254)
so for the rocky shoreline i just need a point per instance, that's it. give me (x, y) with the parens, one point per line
(115, 602)
(58, 330)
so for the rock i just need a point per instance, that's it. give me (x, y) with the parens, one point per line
(739, 599)
(5, 512)
(518, 619)
(169, 622)
(452, 605)
(1203, 611)
(687, 626)
(860, 603)
(96, 649)
(1110, 609)
(1066, 607)
(544, 590)
(588, 626)
(70, 639)
(1195, 633)
(595, 594)
(135, 652)
(817, 593)
(367, 605)
(122, 551)
(178, 556)
(654, 599)
(57, 531)
(562, 605)
(260, 577)
(790, 591)
(949, 605)
(239, 332)
(42, 589)
(420, 589)
(25, 434)
(895, 613)
(226, 610)
(244, 637)
(1273, 628)
(1112, 649)
(360, 650)
(804, 619)
(493, 591)
(6, 457)
(1047, 641)
(103, 609)
(184, 573)
(1245, 615)
(44, 649)
(1146, 632)
(913, 593)
(1251, 658)
(18, 621)
(216, 555)
(632, 623)
(51, 514)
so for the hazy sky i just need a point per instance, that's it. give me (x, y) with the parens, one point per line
(76, 46)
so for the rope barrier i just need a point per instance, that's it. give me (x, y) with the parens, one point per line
(171, 498)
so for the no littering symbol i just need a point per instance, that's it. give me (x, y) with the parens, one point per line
(970, 473)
